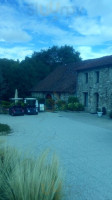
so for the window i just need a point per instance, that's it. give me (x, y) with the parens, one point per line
(86, 99)
(97, 77)
(86, 77)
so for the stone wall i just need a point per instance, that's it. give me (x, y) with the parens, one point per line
(55, 95)
(38, 94)
(65, 96)
(99, 93)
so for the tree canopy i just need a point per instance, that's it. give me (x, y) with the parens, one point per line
(25, 74)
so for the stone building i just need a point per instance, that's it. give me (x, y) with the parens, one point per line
(94, 84)
(89, 80)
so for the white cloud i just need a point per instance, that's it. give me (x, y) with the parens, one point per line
(15, 52)
(95, 27)
(86, 26)
(11, 29)
(95, 8)
(88, 53)
(13, 35)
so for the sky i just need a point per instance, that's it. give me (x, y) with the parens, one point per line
(31, 25)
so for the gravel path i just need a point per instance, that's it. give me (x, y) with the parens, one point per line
(83, 143)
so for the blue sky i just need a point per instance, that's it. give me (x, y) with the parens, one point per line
(31, 25)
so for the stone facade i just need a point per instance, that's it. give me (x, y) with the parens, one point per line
(94, 88)
(54, 95)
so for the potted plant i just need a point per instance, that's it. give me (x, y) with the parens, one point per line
(99, 112)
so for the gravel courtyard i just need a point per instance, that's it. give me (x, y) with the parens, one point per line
(83, 143)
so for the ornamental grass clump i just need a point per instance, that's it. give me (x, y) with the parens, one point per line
(4, 129)
(22, 178)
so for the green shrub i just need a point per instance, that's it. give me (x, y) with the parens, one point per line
(61, 105)
(64, 107)
(22, 104)
(71, 106)
(80, 107)
(28, 179)
(5, 104)
(110, 114)
(50, 103)
(75, 107)
(19, 103)
(4, 129)
(73, 99)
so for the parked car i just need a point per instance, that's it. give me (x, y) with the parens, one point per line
(31, 110)
(16, 110)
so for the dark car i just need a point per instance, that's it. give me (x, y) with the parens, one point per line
(16, 110)
(31, 110)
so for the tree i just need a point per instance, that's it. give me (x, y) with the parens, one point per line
(67, 54)
(58, 55)
(2, 85)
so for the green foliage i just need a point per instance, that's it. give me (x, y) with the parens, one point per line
(110, 114)
(73, 99)
(20, 103)
(5, 104)
(67, 54)
(10, 78)
(80, 107)
(4, 129)
(72, 105)
(49, 103)
(75, 106)
(64, 107)
(22, 178)
(61, 105)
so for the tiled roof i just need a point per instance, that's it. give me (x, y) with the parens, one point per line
(62, 79)
(95, 63)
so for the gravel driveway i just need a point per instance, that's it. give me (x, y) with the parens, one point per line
(83, 143)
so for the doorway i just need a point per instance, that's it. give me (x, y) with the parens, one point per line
(86, 99)
(48, 96)
(96, 102)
